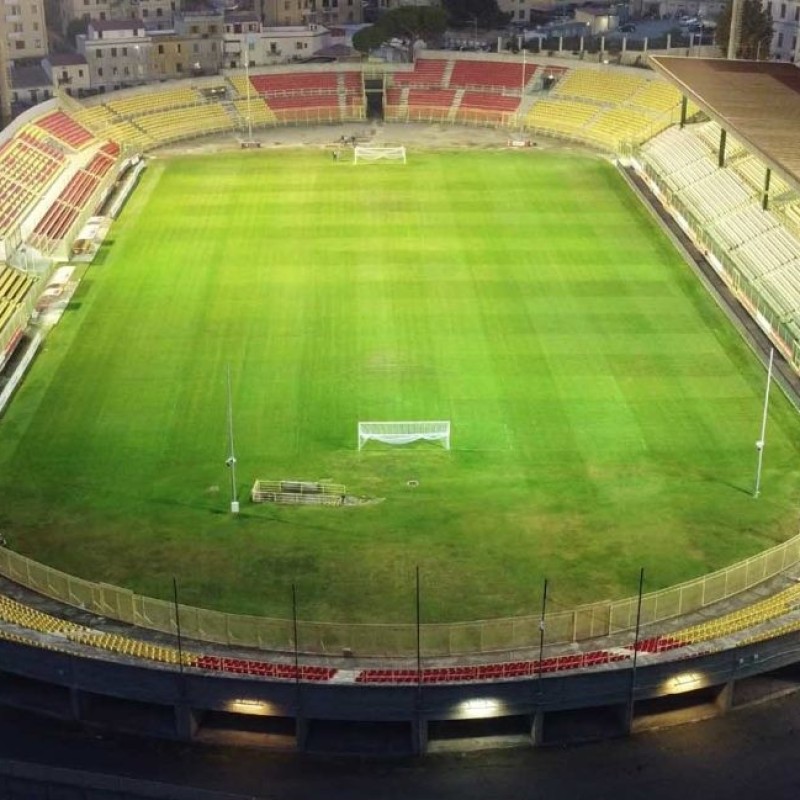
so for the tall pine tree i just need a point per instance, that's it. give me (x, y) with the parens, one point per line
(756, 30)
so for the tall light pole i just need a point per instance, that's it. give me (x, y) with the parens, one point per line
(762, 438)
(231, 460)
(247, 83)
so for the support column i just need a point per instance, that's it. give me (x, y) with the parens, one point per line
(560, 43)
(186, 723)
(724, 700)
(537, 729)
(75, 703)
(723, 138)
(301, 733)
(419, 736)
(684, 106)
(765, 196)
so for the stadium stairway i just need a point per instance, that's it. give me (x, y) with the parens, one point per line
(452, 112)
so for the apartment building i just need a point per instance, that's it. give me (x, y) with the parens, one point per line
(785, 29)
(24, 29)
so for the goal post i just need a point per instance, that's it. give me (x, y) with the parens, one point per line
(405, 432)
(367, 154)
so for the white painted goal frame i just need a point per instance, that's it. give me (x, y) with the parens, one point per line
(405, 432)
(369, 155)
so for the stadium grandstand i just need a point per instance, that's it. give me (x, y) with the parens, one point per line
(714, 142)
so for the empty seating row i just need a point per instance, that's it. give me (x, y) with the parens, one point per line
(560, 116)
(65, 129)
(487, 101)
(182, 123)
(716, 194)
(273, 85)
(27, 168)
(748, 617)
(256, 110)
(494, 75)
(657, 97)
(427, 72)
(492, 672)
(753, 170)
(14, 285)
(613, 127)
(601, 86)
(745, 225)
(674, 150)
(136, 105)
(59, 218)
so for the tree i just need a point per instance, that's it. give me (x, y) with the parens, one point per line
(465, 12)
(408, 23)
(756, 30)
(76, 26)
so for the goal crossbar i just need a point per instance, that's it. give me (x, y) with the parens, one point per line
(369, 154)
(405, 432)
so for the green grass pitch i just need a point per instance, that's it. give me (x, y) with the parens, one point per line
(604, 411)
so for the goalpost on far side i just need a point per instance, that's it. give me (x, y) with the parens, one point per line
(367, 154)
(404, 432)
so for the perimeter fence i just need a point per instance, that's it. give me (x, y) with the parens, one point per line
(400, 640)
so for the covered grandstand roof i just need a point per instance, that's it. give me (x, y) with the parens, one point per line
(756, 101)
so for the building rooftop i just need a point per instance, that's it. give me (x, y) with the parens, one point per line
(104, 25)
(29, 77)
(66, 59)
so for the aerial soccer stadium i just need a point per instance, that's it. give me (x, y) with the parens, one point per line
(448, 399)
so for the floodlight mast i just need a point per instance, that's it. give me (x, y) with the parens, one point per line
(247, 83)
(231, 462)
(762, 438)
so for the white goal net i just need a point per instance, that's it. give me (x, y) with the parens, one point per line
(369, 155)
(405, 432)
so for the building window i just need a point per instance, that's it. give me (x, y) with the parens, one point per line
(179, 47)
(179, 67)
(161, 49)
(113, 52)
(98, 53)
(80, 73)
(126, 71)
(780, 40)
(783, 10)
(19, 45)
(124, 51)
(195, 48)
(100, 71)
(159, 12)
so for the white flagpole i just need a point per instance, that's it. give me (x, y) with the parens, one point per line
(231, 462)
(762, 438)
